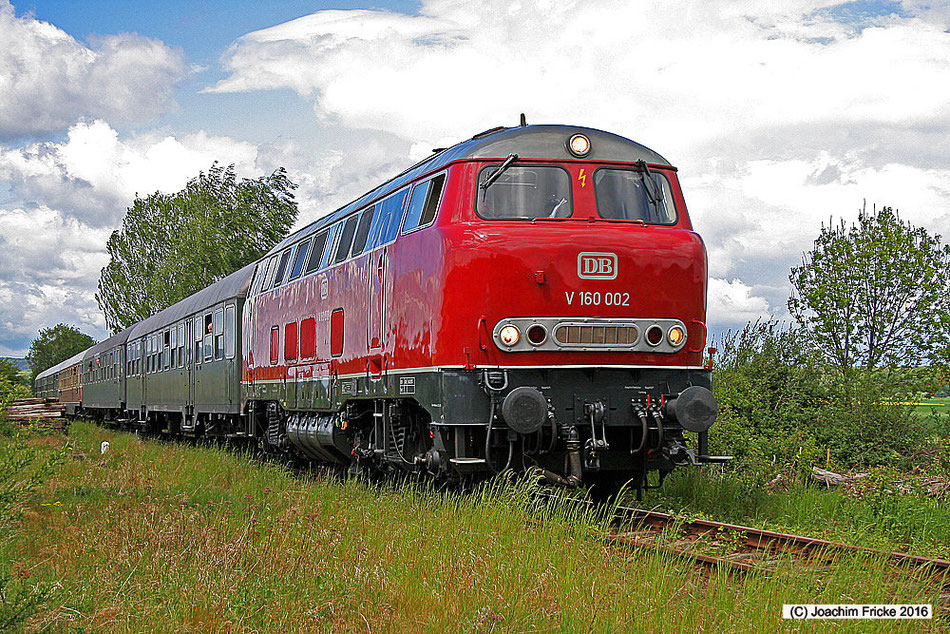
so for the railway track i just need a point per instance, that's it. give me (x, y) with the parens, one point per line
(739, 548)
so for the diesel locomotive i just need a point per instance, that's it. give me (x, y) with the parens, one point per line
(534, 296)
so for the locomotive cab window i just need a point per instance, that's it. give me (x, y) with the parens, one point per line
(523, 193)
(634, 194)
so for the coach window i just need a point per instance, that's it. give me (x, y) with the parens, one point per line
(198, 334)
(523, 193)
(624, 194)
(218, 334)
(362, 231)
(166, 350)
(316, 253)
(229, 331)
(174, 347)
(208, 338)
(281, 268)
(274, 345)
(424, 204)
(346, 239)
(181, 345)
(299, 259)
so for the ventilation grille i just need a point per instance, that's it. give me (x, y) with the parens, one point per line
(593, 335)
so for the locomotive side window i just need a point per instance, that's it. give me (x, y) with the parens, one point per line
(268, 278)
(625, 194)
(281, 268)
(391, 209)
(346, 239)
(299, 259)
(229, 331)
(424, 203)
(316, 254)
(524, 193)
(362, 230)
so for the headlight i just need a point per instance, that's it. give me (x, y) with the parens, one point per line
(509, 335)
(676, 336)
(579, 145)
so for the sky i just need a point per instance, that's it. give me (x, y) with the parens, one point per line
(779, 116)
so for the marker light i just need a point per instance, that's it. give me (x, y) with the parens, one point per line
(509, 335)
(654, 335)
(579, 145)
(676, 336)
(537, 334)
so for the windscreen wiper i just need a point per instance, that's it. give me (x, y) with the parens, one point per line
(650, 189)
(498, 172)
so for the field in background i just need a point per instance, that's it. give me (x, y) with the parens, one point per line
(166, 536)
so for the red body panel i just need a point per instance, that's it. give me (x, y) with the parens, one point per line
(431, 298)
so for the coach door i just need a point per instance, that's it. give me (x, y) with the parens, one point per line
(375, 322)
(194, 349)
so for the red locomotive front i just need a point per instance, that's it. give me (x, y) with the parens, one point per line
(532, 297)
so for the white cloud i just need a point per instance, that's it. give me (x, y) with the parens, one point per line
(48, 274)
(733, 302)
(48, 79)
(780, 115)
(94, 175)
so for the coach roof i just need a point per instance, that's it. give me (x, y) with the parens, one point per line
(113, 341)
(62, 365)
(234, 285)
(546, 142)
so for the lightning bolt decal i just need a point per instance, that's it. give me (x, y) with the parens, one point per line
(582, 177)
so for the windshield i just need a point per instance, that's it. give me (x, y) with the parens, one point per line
(626, 194)
(524, 192)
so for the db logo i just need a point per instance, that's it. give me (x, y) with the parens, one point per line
(597, 266)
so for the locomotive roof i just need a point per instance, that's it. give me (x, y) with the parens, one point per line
(62, 365)
(547, 142)
(234, 285)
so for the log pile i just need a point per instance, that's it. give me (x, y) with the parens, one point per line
(29, 409)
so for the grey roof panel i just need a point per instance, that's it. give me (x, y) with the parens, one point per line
(234, 285)
(107, 344)
(62, 365)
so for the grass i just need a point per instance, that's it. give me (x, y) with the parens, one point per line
(913, 523)
(166, 536)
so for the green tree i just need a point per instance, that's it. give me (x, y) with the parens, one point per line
(54, 345)
(875, 294)
(173, 245)
(10, 372)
